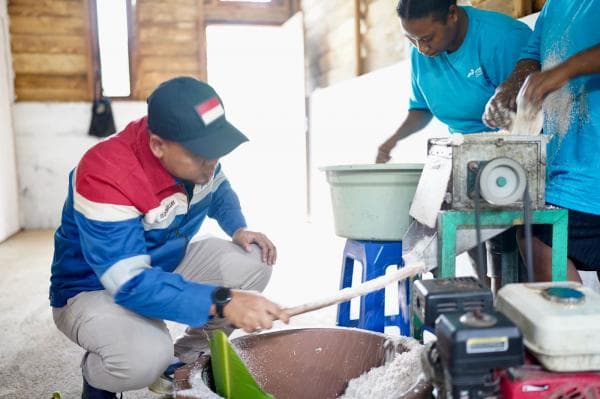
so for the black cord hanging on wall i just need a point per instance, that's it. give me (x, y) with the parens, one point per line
(103, 121)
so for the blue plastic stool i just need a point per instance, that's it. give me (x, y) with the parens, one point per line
(375, 257)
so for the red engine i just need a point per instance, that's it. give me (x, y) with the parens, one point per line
(532, 381)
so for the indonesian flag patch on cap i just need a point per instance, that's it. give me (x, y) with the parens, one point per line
(210, 110)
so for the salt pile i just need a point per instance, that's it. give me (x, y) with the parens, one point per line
(392, 380)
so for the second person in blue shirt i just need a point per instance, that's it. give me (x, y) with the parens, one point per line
(460, 56)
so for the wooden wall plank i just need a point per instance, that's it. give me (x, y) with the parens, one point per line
(166, 12)
(169, 49)
(54, 64)
(175, 3)
(275, 12)
(47, 25)
(175, 64)
(150, 80)
(166, 33)
(247, 15)
(70, 82)
(51, 94)
(53, 8)
(51, 44)
(75, 3)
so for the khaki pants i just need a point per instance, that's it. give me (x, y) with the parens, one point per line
(126, 351)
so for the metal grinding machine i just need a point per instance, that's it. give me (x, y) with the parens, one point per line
(499, 174)
(491, 170)
(475, 187)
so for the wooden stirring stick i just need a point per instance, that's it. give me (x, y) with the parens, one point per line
(346, 294)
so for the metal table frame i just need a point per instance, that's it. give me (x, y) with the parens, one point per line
(450, 221)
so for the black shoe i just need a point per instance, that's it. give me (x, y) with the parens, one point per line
(89, 392)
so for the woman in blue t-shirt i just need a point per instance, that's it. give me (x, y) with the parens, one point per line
(562, 66)
(460, 56)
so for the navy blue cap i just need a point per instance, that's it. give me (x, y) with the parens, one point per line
(188, 111)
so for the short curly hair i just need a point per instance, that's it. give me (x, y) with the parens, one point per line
(413, 9)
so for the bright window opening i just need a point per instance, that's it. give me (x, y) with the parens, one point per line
(259, 73)
(113, 42)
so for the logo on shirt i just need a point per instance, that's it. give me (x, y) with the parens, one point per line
(165, 213)
(168, 207)
(475, 73)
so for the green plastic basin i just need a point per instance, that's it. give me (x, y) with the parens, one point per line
(371, 202)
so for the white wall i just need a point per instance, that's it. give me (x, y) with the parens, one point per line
(50, 140)
(9, 212)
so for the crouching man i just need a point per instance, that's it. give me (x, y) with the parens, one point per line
(123, 261)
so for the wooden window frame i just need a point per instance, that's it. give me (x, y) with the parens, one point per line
(210, 12)
(95, 48)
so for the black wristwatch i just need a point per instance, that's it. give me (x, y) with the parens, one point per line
(221, 296)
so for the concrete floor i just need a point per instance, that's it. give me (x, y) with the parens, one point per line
(36, 359)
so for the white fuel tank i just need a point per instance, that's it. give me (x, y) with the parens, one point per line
(560, 322)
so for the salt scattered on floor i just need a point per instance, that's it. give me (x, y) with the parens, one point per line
(392, 380)
(199, 389)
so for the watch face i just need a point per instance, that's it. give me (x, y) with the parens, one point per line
(222, 294)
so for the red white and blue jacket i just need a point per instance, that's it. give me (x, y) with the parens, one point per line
(126, 224)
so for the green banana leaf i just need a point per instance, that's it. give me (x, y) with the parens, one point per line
(232, 377)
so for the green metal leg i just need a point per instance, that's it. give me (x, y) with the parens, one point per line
(446, 246)
(560, 237)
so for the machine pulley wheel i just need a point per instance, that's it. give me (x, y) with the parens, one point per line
(502, 182)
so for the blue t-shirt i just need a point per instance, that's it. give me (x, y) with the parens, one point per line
(572, 114)
(455, 87)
